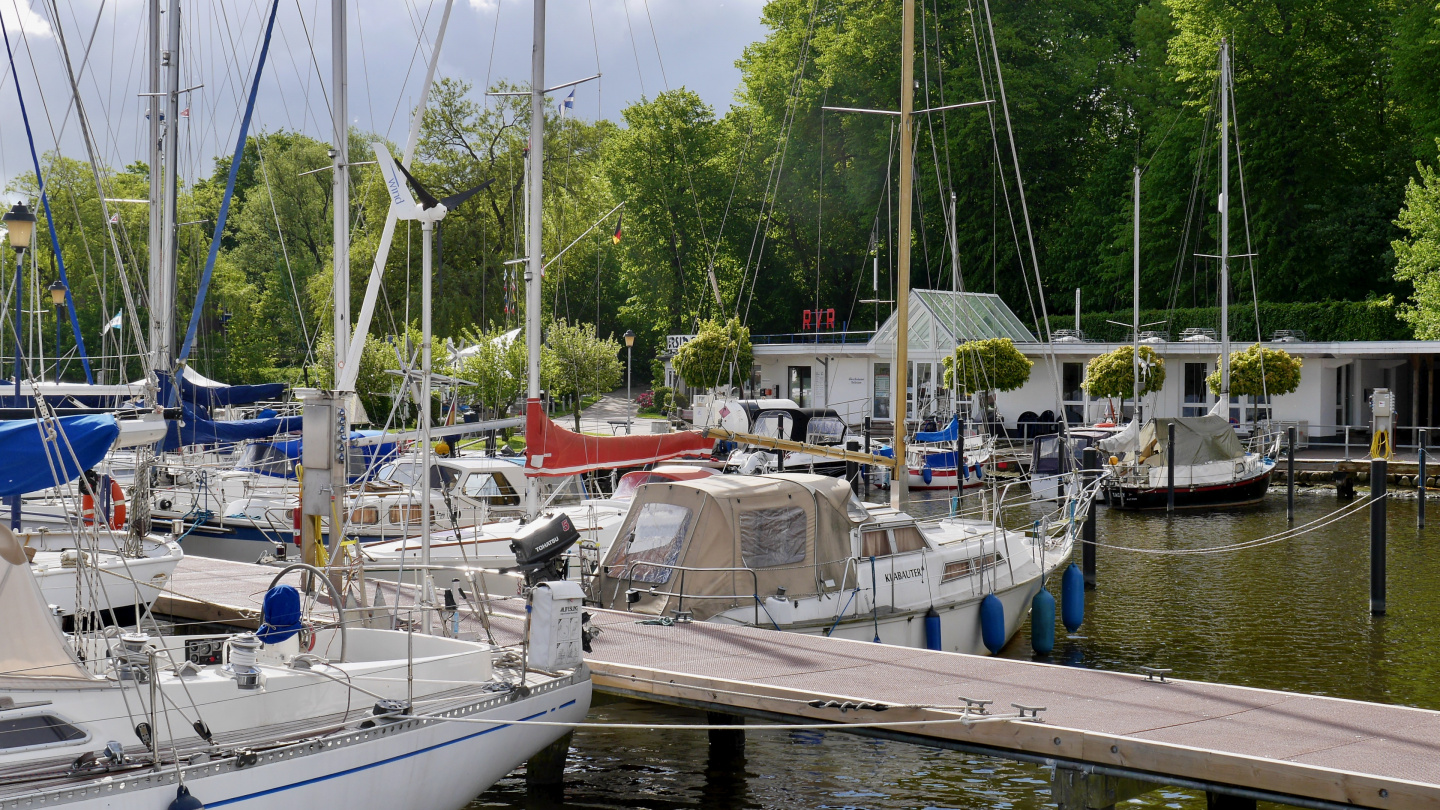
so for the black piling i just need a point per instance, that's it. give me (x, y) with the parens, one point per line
(545, 772)
(726, 747)
(865, 469)
(1224, 801)
(1377, 536)
(1420, 481)
(1292, 434)
(1087, 532)
(1170, 467)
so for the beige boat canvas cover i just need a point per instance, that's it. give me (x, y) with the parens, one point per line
(790, 530)
(33, 652)
(1198, 439)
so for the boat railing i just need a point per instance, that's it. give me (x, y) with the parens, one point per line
(628, 575)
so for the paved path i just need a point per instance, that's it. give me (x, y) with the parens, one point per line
(596, 418)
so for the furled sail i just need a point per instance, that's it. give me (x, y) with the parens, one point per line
(553, 450)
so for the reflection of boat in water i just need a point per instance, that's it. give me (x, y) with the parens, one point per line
(1212, 467)
(801, 553)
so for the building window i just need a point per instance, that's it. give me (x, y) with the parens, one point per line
(800, 385)
(1197, 396)
(1343, 382)
(1072, 377)
(882, 391)
(924, 386)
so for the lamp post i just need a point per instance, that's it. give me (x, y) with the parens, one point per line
(57, 297)
(629, 356)
(20, 225)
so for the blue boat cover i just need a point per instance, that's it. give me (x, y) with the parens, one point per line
(197, 429)
(207, 393)
(950, 433)
(277, 459)
(34, 459)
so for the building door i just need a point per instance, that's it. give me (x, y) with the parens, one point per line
(1197, 395)
(1073, 379)
(800, 385)
(882, 391)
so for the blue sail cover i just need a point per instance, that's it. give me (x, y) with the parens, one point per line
(208, 393)
(949, 434)
(195, 428)
(33, 459)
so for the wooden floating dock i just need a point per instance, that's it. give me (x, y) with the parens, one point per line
(1109, 735)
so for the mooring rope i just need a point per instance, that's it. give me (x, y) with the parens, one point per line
(1318, 523)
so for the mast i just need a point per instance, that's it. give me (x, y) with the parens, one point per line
(1135, 303)
(156, 251)
(162, 295)
(340, 180)
(1225, 226)
(427, 227)
(533, 229)
(902, 291)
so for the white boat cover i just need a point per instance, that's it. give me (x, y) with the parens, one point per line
(33, 652)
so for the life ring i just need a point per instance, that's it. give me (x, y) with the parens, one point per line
(117, 500)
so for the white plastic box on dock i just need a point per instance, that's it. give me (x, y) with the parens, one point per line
(555, 626)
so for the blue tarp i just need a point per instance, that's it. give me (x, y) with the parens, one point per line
(207, 393)
(194, 428)
(278, 458)
(35, 455)
(949, 434)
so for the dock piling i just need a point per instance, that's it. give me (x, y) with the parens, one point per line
(1420, 479)
(1087, 536)
(1080, 788)
(1377, 536)
(1226, 801)
(1170, 467)
(726, 747)
(1291, 436)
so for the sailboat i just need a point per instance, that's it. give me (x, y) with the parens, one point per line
(1204, 464)
(801, 553)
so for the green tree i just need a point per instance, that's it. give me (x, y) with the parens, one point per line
(1255, 372)
(1112, 374)
(987, 365)
(496, 365)
(1417, 255)
(718, 354)
(576, 362)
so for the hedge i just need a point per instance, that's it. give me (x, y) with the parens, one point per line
(1322, 321)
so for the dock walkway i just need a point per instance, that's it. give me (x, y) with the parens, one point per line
(1109, 735)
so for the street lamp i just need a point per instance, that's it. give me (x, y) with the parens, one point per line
(629, 356)
(20, 224)
(57, 297)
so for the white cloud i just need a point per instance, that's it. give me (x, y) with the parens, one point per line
(484, 6)
(20, 17)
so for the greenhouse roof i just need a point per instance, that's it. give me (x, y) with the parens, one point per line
(941, 318)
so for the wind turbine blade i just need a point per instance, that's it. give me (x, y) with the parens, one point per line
(427, 200)
(400, 198)
(454, 200)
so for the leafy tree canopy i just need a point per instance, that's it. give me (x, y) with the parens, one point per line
(707, 360)
(1257, 372)
(1112, 374)
(575, 362)
(987, 365)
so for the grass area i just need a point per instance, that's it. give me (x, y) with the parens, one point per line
(517, 443)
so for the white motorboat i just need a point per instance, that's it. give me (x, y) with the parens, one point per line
(364, 719)
(113, 574)
(801, 553)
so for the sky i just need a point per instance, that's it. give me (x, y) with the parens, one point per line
(641, 47)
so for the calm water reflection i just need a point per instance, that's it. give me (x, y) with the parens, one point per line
(1290, 615)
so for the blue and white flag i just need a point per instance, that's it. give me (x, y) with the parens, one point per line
(568, 105)
(113, 323)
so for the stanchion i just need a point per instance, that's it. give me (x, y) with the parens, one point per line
(1377, 536)
(1420, 480)
(1291, 436)
(1087, 534)
(1170, 467)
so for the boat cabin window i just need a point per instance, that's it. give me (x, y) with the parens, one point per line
(825, 430)
(492, 487)
(907, 538)
(632, 481)
(407, 473)
(659, 530)
(773, 425)
(36, 730)
(771, 537)
(875, 543)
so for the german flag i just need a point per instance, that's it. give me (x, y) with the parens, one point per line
(619, 229)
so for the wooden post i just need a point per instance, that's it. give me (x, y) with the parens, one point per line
(1377, 536)
(1170, 467)
(1420, 479)
(727, 748)
(1292, 434)
(1087, 533)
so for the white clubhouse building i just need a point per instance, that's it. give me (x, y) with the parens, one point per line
(852, 372)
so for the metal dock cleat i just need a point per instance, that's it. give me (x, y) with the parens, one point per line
(1155, 674)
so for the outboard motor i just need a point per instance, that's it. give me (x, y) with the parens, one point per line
(540, 547)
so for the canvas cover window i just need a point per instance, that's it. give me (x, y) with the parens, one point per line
(659, 531)
(771, 537)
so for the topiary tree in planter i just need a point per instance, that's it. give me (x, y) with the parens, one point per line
(987, 365)
(1112, 374)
